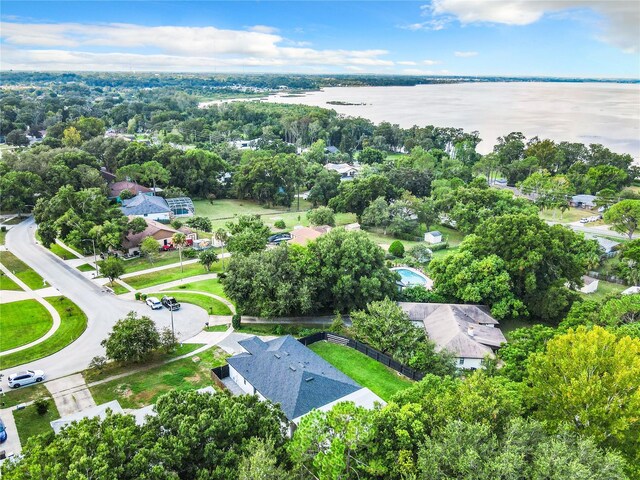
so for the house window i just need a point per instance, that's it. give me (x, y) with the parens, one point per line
(461, 361)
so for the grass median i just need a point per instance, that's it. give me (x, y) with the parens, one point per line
(369, 373)
(61, 252)
(21, 270)
(73, 323)
(22, 322)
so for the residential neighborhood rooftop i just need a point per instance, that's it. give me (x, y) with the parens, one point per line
(145, 205)
(116, 188)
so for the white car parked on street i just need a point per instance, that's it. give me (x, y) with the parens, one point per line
(26, 377)
(154, 303)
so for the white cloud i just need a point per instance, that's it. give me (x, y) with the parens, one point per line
(620, 27)
(465, 54)
(431, 62)
(263, 29)
(407, 62)
(434, 24)
(120, 47)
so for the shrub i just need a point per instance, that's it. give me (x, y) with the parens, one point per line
(143, 296)
(177, 224)
(98, 363)
(280, 224)
(42, 405)
(337, 325)
(3, 228)
(137, 295)
(189, 253)
(321, 216)
(168, 341)
(236, 321)
(396, 249)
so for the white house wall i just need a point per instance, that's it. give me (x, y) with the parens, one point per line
(465, 363)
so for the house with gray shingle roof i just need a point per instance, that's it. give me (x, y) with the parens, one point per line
(147, 206)
(467, 331)
(286, 372)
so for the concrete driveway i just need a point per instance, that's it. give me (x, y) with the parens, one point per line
(103, 309)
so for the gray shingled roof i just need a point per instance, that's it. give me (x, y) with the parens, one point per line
(448, 326)
(286, 372)
(145, 205)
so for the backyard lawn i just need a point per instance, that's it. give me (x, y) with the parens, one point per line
(144, 388)
(170, 274)
(29, 422)
(378, 378)
(568, 216)
(604, 290)
(22, 322)
(21, 270)
(73, 323)
(211, 305)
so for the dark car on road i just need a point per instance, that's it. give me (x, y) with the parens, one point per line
(170, 303)
(280, 237)
(3, 432)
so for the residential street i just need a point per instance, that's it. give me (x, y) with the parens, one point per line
(102, 309)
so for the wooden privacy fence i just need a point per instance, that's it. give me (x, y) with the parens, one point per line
(364, 348)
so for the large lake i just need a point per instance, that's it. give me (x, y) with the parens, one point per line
(606, 113)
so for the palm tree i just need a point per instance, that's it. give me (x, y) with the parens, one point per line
(179, 239)
(222, 236)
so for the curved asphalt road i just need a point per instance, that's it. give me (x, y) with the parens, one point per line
(103, 310)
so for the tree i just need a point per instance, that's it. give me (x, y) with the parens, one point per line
(356, 195)
(112, 268)
(18, 138)
(132, 339)
(629, 267)
(523, 342)
(421, 253)
(149, 248)
(222, 236)
(248, 234)
(377, 214)
(261, 462)
(200, 223)
(325, 187)
(396, 249)
(179, 240)
(72, 137)
(624, 217)
(208, 258)
(590, 380)
(321, 216)
(371, 156)
(154, 172)
(19, 189)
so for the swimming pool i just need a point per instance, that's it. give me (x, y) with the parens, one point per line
(410, 277)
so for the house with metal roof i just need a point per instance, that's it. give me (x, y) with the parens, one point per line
(286, 372)
(147, 206)
(583, 201)
(467, 331)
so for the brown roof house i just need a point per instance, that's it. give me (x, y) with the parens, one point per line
(161, 232)
(116, 188)
(303, 235)
(468, 331)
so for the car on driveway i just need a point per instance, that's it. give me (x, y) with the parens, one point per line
(3, 432)
(25, 377)
(154, 303)
(171, 303)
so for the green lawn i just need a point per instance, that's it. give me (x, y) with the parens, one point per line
(568, 216)
(7, 284)
(23, 395)
(117, 288)
(142, 263)
(115, 368)
(209, 286)
(378, 378)
(144, 388)
(22, 322)
(21, 270)
(85, 267)
(297, 330)
(63, 253)
(29, 422)
(163, 276)
(604, 290)
(217, 328)
(211, 305)
(454, 237)
(74, 322)
(3, 235)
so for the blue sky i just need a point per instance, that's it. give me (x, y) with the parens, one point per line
(597, 38)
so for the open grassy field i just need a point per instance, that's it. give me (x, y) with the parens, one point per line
(156, 359)
(74, 322)
(144, 388)
(30, 423)
(7, 284)
(22, 322)
(21, 270)
(211, 305)
(209, 286)
(378, 378)
(568, 216)
(61, 252)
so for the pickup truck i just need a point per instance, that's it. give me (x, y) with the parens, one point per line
(170, 303)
